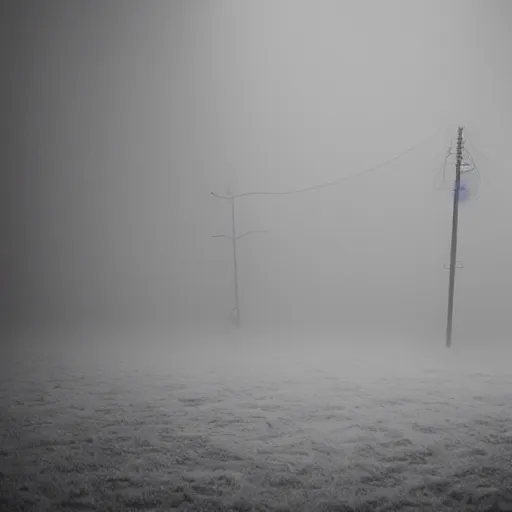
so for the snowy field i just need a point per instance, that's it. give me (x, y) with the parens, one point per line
(254, 425)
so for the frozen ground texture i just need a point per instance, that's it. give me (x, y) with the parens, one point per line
(254, 425)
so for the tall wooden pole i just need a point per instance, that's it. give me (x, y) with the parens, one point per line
(235, 263)
(234, 239)
(453, 250)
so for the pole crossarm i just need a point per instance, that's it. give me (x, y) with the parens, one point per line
(250, 233)
(222, 197)
(242, 235)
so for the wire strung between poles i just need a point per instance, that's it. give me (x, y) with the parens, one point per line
(335, 182)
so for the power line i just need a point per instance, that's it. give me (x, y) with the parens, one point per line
(482, 155)
(234, 237)
(339, 180)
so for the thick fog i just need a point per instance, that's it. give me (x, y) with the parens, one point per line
(123, 117)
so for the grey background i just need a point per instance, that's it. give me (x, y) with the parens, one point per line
(120, 117)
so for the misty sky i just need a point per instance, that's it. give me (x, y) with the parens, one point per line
(126, 114)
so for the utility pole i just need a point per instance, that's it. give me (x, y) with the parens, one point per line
(234, 239)
(453, 249)
(235, 263)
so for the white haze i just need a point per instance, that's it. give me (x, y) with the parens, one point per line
(123, 117)
(129, 114)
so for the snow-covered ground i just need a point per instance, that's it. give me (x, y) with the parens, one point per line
(254, 424)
